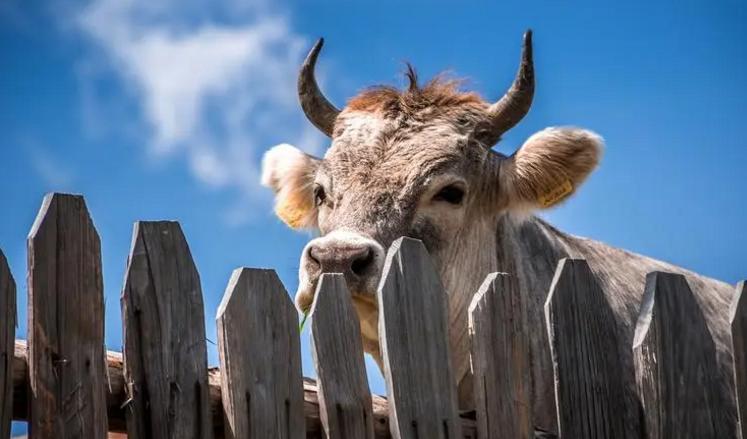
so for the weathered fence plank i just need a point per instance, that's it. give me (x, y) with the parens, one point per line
(675, 362)
(738, 321)
(164, 337)
(66, 322)
(500, 359)
(7, 344)
(344, 398)
(118, 396)
(414, 337)
(583, 342)
(260, 357)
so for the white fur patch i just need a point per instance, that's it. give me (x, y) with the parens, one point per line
(565, 134)
(290, 174)
(278, 161)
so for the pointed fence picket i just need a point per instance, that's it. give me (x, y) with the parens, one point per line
(414, 341)
(7, 346)
(675, 364)
(67, 386)
(344, 398)
(66, 322)
(500, 359)
(584, 348)
(260, 358)
(738, 320)
(165, 357)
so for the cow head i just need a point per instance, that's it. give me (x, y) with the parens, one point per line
(418, 163)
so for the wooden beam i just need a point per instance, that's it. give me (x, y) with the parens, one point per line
(116, 396)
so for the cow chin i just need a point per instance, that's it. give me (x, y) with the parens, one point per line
(363, 298)
(368, 314)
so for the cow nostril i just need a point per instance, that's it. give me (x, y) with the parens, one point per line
(313, 256)
(360, 264)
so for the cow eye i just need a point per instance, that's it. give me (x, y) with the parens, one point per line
(319, 195)
(451, 194)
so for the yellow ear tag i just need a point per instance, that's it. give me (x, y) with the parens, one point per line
(556, 195)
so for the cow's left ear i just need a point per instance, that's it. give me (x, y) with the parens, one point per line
(548, 168)
(290, 173)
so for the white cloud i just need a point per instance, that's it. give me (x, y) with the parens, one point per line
(56, 175)
(212, 92)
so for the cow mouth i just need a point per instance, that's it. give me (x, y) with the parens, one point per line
(360, 298)
(358, 258)
(366, 308)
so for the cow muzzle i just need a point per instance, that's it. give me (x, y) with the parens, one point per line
(359, 258)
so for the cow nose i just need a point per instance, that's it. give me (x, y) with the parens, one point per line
(350, 260)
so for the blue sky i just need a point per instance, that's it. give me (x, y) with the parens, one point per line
(162, 110)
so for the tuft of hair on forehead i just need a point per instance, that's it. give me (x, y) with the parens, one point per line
(412, 77)
(440, 94)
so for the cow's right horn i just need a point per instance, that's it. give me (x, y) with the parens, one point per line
(317, 108)
(514, 105)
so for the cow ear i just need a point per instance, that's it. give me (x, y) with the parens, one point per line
(548, 168)
(290, 173)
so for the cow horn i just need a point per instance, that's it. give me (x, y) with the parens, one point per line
(514, 105)
(317, 108)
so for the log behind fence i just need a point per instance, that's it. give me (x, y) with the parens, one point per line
(414, 338)
(163, 387)
(585, 353)
(260, 358)
(675, 362)
(66, 323)
(161, 384)
(164, 337)
(344, 398)
(7, 344)
(118, 396)
(738, 320)
(500, 359)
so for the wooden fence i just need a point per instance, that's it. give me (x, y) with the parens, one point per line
(66, 385)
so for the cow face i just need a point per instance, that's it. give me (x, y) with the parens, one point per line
(412, 163)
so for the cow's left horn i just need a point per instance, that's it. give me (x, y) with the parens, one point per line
(317, 108)
(514, 105)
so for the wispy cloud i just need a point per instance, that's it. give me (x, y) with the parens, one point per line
(54, 172)
(218, 94)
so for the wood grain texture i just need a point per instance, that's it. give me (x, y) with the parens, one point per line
(7, 344)
(414, 336)
(66, 322)
(675, 362)
(260, 356)
(164, 337)
(499, 338)
(118, 396)
(344, 398)
(738, 321)
(589, 388)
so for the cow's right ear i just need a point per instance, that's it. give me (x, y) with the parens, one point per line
(548, 168)
(290, 173)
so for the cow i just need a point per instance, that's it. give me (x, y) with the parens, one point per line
(419, 162)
